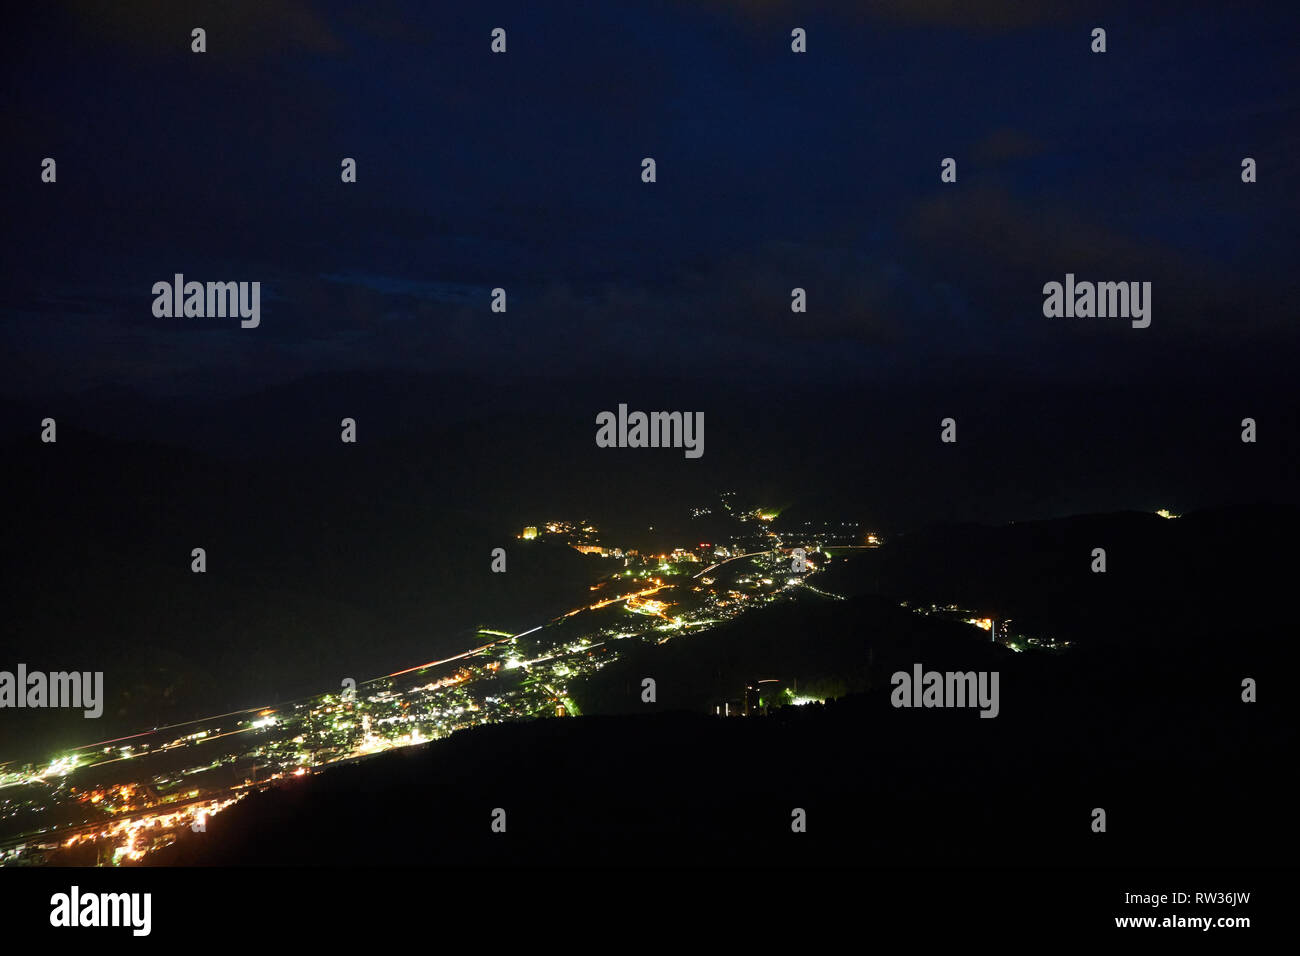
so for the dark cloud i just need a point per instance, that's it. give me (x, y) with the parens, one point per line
(522, 171)
(979, 16)
(1005, 144)
(963, 14)
(236, 31)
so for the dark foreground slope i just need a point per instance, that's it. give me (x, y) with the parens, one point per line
(879, 789)
(1142, 717)
(1187, 774)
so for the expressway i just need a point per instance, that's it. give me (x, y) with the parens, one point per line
(503, 640)
(751, 554)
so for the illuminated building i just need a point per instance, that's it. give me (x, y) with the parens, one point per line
(529, 533)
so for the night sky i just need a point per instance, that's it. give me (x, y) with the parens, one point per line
(775, 170)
